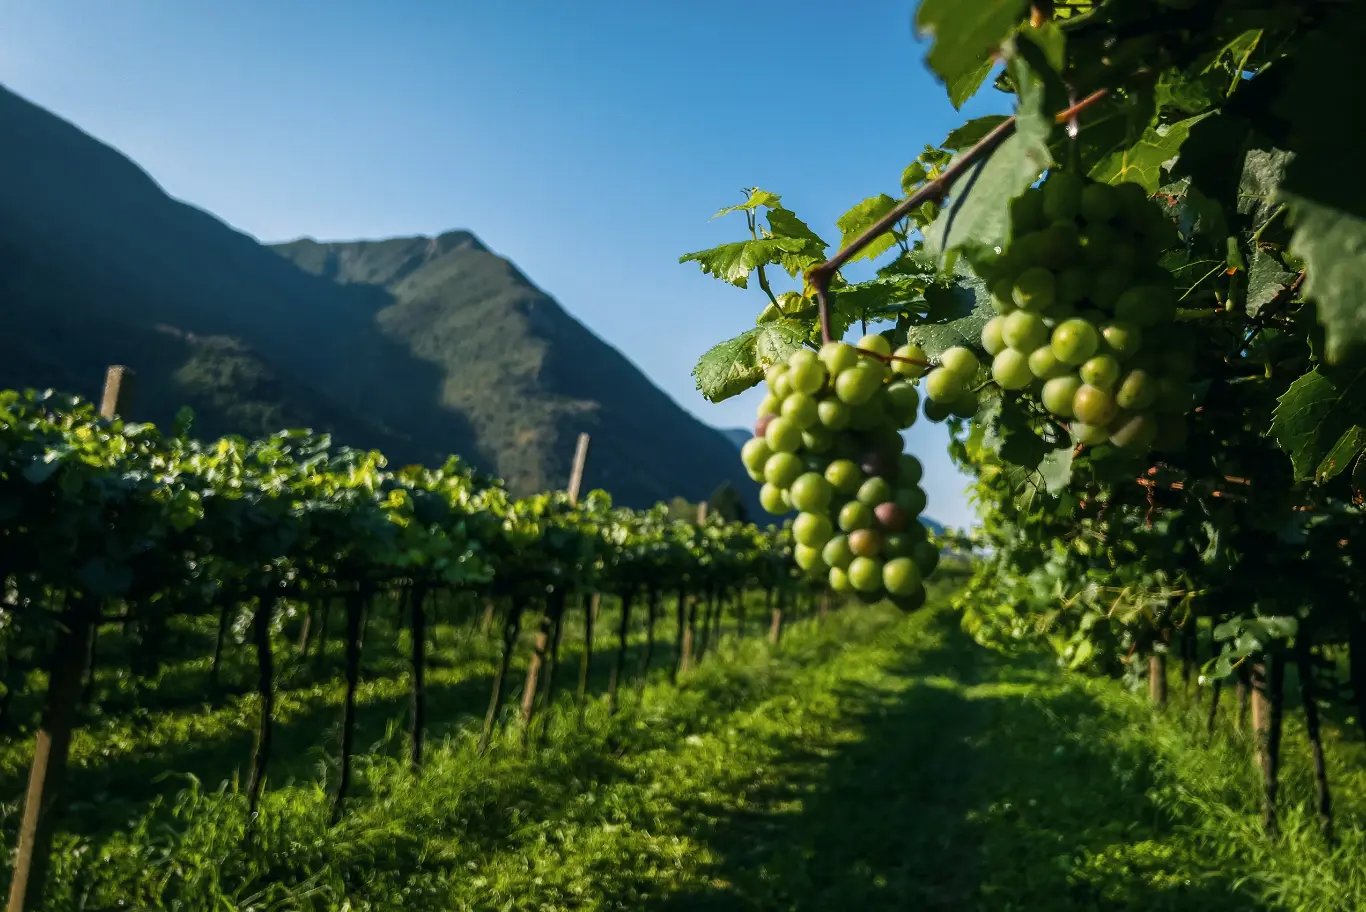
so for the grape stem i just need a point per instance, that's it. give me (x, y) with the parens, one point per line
(819, 277)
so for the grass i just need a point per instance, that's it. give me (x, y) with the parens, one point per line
(873, 762)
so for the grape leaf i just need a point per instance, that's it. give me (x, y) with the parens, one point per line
(1055, 469)
(735, 365)
(860, 218)
(965, 34)
(1265, 280)
(1319, 422)
(1114, 123)
(756, 199)
(1263, 171)
(970, 132)
(976, 215)
(1143, 162)
(951, 328)
(734, 262)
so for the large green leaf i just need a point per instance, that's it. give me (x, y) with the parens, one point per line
(734, 262)
(966, 33)
(1320, 422)
(860, 218)
(1265, 280)
(970, 132)
(735, 365)
(756, 199)
(956, 316)
(1143, 163)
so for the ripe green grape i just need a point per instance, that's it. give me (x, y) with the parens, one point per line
(1099, 203)
(909, 470)
(1088, 434)
(1073, 286)
(844, 476)
(869, 415)
(1035, 289)
(1060, 248)
(1123, 340)
(855, 515)
(964, 406)
(1024, 331)
(783, 436)
(858, 384)
(810, 492)
(1134, 431)
(1059, 393)
(837, 552)
(865, 574)
(1137, 391)
(1011, 369)
(1101, 371)
(839, 580)
(911, 499)
(960, 361)
(775, 371)
(1093, 405)
(818, 439)
(991, 336)
(935, 410)
(1044, 365)
(1108, 285)
(755, 453)
(907, 368)
(943, 385)
(901, 576)
(834, 415)
(800, 409)
(812, 529)
(809, 559)
(1003, 296)
(1146, 305)
(865, 543)
(838, 357)
(805, 373)
(903, 402)
(1026, 213)
(926, 557)
(874, 491)
(782, 469)
(1074, 341)
(875, 343)
(770, 405)
(1062, 196)
(771, 499)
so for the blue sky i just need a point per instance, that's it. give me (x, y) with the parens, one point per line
(590, 143)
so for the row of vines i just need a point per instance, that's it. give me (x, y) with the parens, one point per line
(1137, 302)
(106, 523)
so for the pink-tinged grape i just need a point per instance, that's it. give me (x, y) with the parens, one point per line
(1074, 341)
(912, 363)
(1137, 391)
(859, 383)
(874, 491)
(755, 453)
(943, 385)
(1045, 365)
(854, 516)
(903, 402)
(761, 425)
(1011, 370)
(1074, 284)
(1174, 397)
(1099, 203)
(991, 335)
(1101, 371)
(909, 471)
(1093, 405)
(1059, 393)
(960, 361)
(1024, 331)
(875, 343)
(839, 581)
(833, 414)
(782, 469)
(836, 552)
(844, 476)
(865, 543)
(1061, 247)
(1134, 431)
(771, 405)
(810, 493)
(806, 373)
(901, 576)
(818, 439)
(809, 559)
(1123, 340)
(771, 499)
(838, 357)
(1088, 434)
(800, 409)
(812, 529)
(865, 574)
(1062, 196)
(890, 516)
(926, 557)
(783, 435)
(1035, 289)
(911, 499)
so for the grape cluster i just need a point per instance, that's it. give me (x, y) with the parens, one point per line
(1085, 317)
(828, 444)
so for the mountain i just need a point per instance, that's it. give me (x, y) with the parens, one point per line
(420, 346)
(737, 436)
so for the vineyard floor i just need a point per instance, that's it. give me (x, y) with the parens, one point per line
(873, 762)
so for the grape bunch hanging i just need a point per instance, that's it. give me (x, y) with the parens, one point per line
(828, 444)
(1084, 317)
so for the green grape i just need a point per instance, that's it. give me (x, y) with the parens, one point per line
(1044, 365)
(858, 384)
(903, 402)
(1137, 391)
(815, 462)
(908, 368)
(834, 415)
(899, 544)
(1132, 200)
(965, 406)
(1024, 331)
(1026, 213)
(1134, 431)
(1035, 289)
(809, 559)
(782, 469)
(865, 543)
(1123, 340)
(838, 357)
(901, 576)
(855, 515)
(943, 385)
(1088, 434)
(875, 343)
(991, 336)
(844, 476)
(775, 371)
(865, 574)
(800, 409)
(1093, 405)
(936, 410)
(810, 493)
(1073, 285)
(836, 552)
(755, 453)
(961, 361)
(911, 499)
(1011, 369)
(1062, 196)
(926, 557)
(771, 499)
(812, 529)
(1074, 341)
(1102, 371)
(874, 491)
(783, 436)
(909, 471)
(1061, 246)
(839, 581)
(869, 415)
(805, 374)
(1124, 256)
(1099, 203)
(1003, 295)
(818, 439)
(1146, 306)
(1059, 393)
(1109, 284)
(771, 405)
(1174, 397)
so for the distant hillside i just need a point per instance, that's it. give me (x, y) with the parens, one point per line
(737, 436)
(420, 347)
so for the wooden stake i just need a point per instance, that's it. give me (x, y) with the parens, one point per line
(576, 474)
(119, 382)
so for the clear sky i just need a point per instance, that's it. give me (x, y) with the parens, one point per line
(588, 142)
